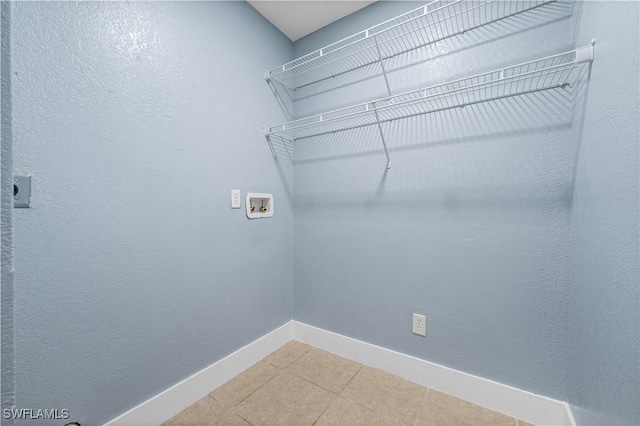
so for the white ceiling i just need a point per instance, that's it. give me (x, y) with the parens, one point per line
(297, 18)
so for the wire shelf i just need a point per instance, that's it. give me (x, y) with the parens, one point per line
(425, 25)
(551, 72)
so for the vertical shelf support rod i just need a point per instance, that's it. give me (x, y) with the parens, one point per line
(384, 143)
(386, 82)
(384, 70)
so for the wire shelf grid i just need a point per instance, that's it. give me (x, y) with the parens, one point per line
(420, 27)
(551, 72)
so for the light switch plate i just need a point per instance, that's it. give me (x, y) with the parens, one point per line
(22, 191)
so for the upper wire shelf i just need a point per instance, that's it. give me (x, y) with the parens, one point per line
(427, 24)
(551, 72)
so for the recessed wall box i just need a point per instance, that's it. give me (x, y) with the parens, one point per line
(259, 205)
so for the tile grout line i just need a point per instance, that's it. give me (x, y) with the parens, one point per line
(280, 371)
(350, 380)
(256, 390)
(326, 408)
(382, 415)
(241, 416)
(336, 395)
(310, 382)
(319, 385)
(358, 402)
(292, 362)
(424, 398)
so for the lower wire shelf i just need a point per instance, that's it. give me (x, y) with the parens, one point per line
(551, 72)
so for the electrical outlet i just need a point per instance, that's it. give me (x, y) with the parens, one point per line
(235, 198)
(419, 325)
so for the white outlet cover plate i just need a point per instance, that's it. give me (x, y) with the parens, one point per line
(235, 198)
(419, 325)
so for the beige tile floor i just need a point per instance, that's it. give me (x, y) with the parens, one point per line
(302, 385)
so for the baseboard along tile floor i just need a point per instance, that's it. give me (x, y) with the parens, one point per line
(302, 385)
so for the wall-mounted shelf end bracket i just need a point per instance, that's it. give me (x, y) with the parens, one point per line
(267, 134)
(585, 54)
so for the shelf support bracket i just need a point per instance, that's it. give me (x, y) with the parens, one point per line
(384, 142)
(375, 111)
(267, 135)
(384, 70)
(585, 54)
(276, 94)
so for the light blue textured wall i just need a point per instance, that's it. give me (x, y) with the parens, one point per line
(471, 224)
(132, 272)
(604, 342)
(137, 118)
(6, 212)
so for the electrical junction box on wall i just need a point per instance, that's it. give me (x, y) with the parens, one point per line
(259, 205)
(22, 191)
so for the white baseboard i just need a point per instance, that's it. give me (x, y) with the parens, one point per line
(527, 406)
(170, 402)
